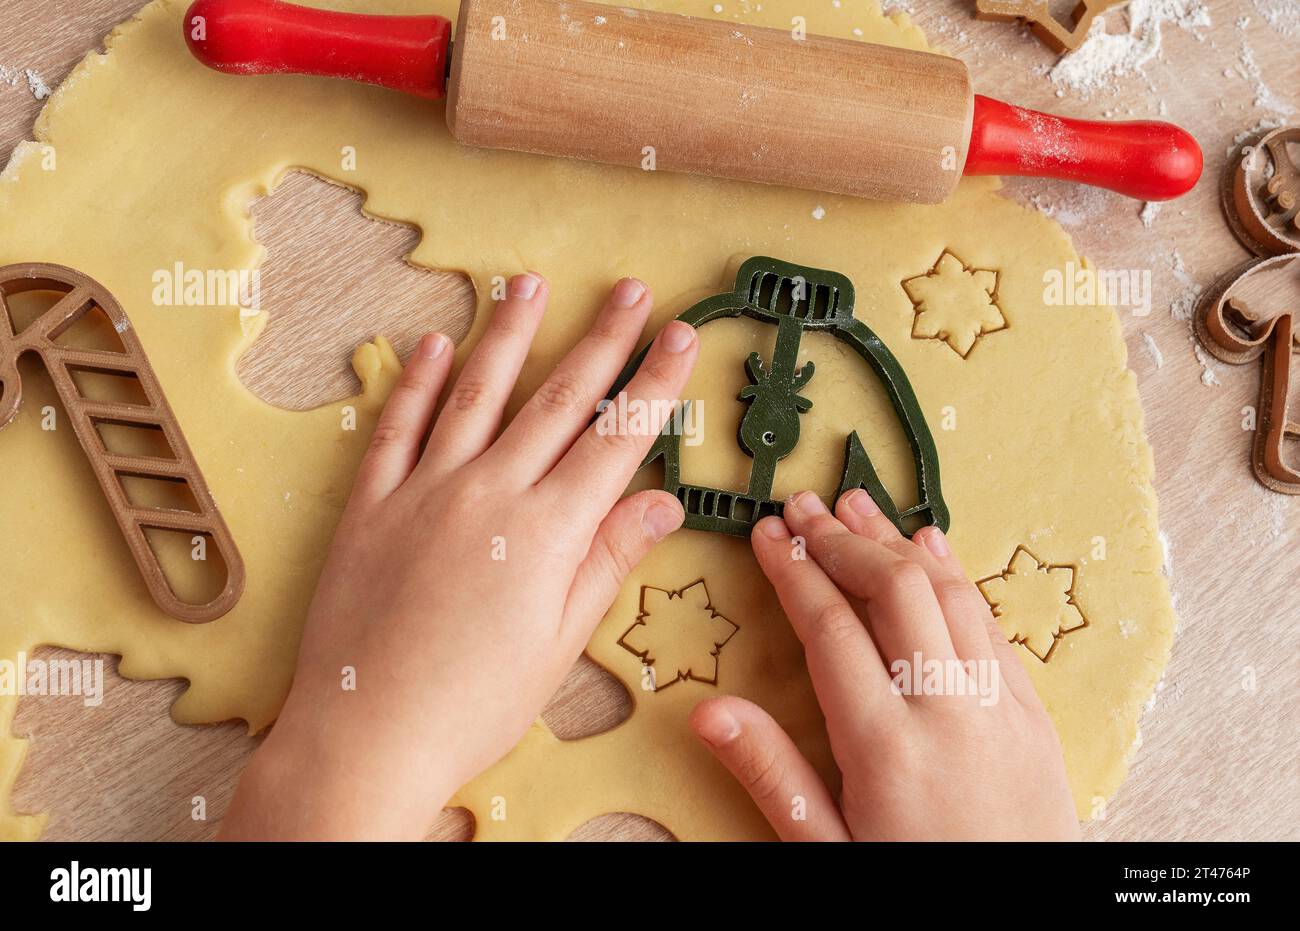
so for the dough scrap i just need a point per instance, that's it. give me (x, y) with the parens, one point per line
(1041, 442)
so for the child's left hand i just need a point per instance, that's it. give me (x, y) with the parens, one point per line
(465, 579)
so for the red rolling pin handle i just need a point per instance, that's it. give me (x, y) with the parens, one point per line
(405, 53)
(1143, 159)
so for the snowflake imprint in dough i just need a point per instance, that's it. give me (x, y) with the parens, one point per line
(1034, 602)
(678, 634)
(955, 303)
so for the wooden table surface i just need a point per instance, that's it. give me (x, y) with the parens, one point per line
(1219, 756)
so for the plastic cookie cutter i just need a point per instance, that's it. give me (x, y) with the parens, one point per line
(1038, 15)
(795, 299)
(1253, 312)
(80, 296)
(1261, 193)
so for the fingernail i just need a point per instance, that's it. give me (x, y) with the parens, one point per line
(719, 728)
(524, 287)
(432, 346)
(678, 336)
(660, 520)
(935, 541)
(627, 292)
(773, 528)
(863, 504)
(805, 502)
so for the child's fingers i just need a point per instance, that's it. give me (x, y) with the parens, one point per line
(974, 632)
(903, 613)
(603, 460)
(858, 511)
(763, 758)
(563, 406)
(395, 445)
(958, 598)
(470, 419)
(969, 619)
(626, 534)
(847, 672)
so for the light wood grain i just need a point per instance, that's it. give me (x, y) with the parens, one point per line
(303, 225)
(709, 97)
(1217, 761)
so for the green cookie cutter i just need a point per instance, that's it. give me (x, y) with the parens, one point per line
(796, 299)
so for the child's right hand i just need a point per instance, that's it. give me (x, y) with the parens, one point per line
(915, 767)
(469, 570)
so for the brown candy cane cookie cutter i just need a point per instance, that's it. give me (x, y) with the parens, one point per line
(1037, 14)
(1254, 311)
(1261, 193)
(80, 296)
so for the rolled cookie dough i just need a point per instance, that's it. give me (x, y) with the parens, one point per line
(1036, 418)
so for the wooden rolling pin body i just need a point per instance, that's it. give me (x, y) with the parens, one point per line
(645, 89)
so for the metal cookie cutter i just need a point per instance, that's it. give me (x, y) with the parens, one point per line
(81, 295)
(1261, 193)
(1255, 311)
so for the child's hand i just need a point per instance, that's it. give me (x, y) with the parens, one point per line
(914, 767)
(466, 579)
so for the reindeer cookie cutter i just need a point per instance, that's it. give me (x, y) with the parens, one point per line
(795, 299)
(80, 296)
(1038, 15)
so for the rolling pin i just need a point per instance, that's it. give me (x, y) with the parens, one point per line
(679, 93)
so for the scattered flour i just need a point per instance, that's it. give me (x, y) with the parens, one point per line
(13, 76)
(1183, 308)
(1262, 518)
(1247, 69)
(1170, 693)
(1105, 56)
(1148, 213)
(1283, 16)
(1167, 569)
(1167, 563)
(24, 150)
(1158, 357)
(1208, 376)
(1075, 206)
(34, 83)
(939, 25)
(1258, 129)
(819, 212)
